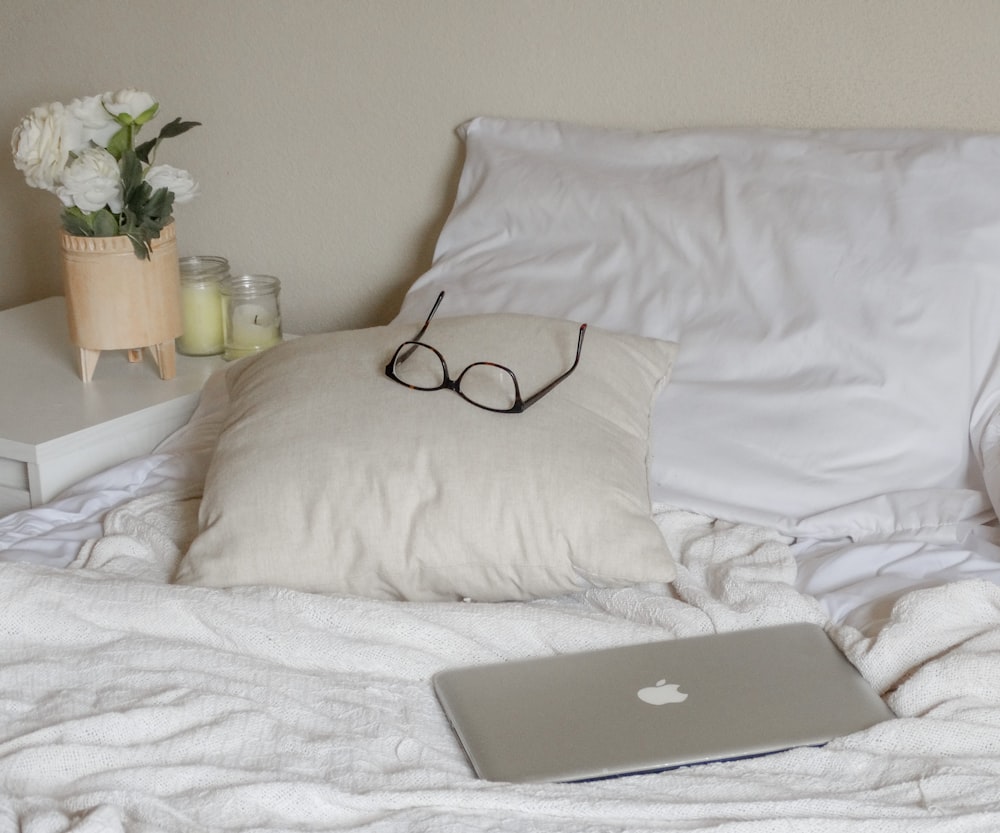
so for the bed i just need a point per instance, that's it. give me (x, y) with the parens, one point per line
(785, 410)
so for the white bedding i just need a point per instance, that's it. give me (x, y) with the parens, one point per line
(129, 703)
(133, 704)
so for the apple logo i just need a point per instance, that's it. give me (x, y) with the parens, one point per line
(661, 694)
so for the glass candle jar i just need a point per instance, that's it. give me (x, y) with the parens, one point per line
(201, 304)
(251, 315)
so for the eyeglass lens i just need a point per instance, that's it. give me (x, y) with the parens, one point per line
(419, 367)
(488, 386)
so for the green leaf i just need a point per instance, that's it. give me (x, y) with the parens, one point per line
(143, 151)
(157, 209)
(177, 127)
(120, 142)
(105, 223)
(76, 222)
(146, 115)
(101, 223)
(131, 171)
(144, 211)
(140, 246)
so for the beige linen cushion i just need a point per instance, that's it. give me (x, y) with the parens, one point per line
(330, 477)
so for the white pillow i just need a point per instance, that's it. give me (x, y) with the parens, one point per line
(836, 296)
(331, 477)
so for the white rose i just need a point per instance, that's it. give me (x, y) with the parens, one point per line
(92, 181)
(42, 143)
(131, 104)
(97, 124)
(179, 182)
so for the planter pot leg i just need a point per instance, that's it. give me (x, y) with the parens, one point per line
(165, 357)
(88, 362)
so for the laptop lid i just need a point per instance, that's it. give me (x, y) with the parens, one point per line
(643, 708)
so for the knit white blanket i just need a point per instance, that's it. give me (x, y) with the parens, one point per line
(127, 703)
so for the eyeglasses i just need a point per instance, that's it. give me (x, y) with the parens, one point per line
(486, 385)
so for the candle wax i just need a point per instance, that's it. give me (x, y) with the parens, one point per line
(254, 327)
(201, 310)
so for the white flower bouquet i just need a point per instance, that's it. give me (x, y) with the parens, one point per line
(85, 153)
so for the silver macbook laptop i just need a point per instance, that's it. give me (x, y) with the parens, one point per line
(644, 708)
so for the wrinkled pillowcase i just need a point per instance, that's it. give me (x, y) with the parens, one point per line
(330, 477)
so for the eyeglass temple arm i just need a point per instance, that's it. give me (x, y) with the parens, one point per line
(579, 349)
(430, 315)
(407, 353)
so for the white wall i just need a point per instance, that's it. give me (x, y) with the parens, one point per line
(328, 155)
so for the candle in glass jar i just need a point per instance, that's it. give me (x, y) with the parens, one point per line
(251, 314)
(201, 305)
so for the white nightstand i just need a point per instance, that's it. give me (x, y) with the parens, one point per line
(56, 429)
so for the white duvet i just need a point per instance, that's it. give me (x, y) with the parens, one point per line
(132, 704)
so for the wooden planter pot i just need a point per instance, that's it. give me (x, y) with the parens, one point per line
(115, 301)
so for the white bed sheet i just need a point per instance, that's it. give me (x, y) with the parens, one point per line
(52, 534)
(129, 703)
